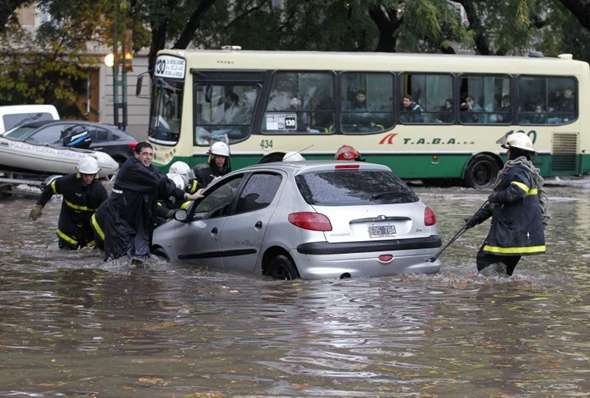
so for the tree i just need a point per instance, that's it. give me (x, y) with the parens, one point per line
(7, 10)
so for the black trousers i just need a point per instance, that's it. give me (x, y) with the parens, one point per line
(485, 259)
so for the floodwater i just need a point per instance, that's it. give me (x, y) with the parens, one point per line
(73, 326)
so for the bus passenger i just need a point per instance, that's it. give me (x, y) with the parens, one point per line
(517, 208)
(411, 111)
(218, 165)
(469, 110)
(125, 221)
(446, 111)
(82, 195)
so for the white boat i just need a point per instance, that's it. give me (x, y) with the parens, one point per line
(49, 159)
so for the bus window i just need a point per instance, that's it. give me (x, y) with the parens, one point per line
(167, 109)
(485, 99)
(224, 112)
(366, 102)
(426, 98)
(547, 100)
(300, 102)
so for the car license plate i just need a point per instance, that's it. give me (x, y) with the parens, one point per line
(381, 230)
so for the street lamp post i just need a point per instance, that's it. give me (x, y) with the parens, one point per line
(119, 64)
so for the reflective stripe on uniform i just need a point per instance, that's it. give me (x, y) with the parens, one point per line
(67, 238)
(515, 250)
(78, 207)
(525, 188)
(186, 204)
(194, 186)
(53, 187)
(96, 227)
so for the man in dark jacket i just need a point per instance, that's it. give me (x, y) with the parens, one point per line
(125, 221)
(82, 195)
(217, 165)
(517, 208)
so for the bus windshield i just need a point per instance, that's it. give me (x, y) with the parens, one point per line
(166, 111)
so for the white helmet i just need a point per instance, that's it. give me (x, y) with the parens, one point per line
(88, 165)
(219, 148)
(177, 180)
(180, 167)
(293, 157)
(520, 141)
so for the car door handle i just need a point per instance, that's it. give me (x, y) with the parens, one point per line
(214, 231)
(258, 224)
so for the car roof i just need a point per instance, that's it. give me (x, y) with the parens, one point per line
(313, 165)
(41, 123)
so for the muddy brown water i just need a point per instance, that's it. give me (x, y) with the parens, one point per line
(74, 326)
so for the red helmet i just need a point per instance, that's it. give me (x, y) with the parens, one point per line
(346, 152)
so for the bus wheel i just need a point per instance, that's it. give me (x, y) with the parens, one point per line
(481, 172)
(282, 267)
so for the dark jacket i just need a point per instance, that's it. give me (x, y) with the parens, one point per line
(79, 203)
(517, 214)
(206, 172)
(125, 221)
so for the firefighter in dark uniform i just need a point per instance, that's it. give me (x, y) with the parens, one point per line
(517, 208)
(82, 195)
(182, 176)
(217, 165)
(124, 223)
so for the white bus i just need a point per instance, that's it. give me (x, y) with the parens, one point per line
(456, 111)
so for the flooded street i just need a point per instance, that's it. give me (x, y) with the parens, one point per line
(73, 326)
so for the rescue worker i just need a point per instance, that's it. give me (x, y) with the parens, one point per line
(346, 152)
(182, 176)
(517, 208)
(125, 221)
(217, 165)
(82, 195)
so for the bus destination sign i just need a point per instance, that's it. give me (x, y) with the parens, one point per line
(168, 66)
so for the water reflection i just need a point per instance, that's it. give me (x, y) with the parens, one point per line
(72, 325)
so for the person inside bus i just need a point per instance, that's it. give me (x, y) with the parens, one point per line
(504, 110)
(446, 111)
(218, 164)
(411, 111)
(359, 102)
(567, 103)
(470, 110)
(283, 97)
(517, 208)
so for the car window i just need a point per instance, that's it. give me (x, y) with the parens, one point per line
(349, 187)
(20, 133)
(49, 135)
(218, 201)
(11, 120)
(99, 135)
(259, 192)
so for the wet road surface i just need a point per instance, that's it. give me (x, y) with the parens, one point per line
(71, 325)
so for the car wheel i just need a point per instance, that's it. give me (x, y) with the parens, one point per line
(481, 172)
(282, 267)
(159, 252)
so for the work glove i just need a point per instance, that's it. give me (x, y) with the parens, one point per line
(36, 212)
(471, 222)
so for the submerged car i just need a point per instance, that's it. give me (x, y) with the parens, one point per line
(102, 137)
(307, 220)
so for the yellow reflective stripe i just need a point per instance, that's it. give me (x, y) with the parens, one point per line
(522, 186)
(78, 207)
(97, 227)
(533, 191)
(186, 204)
(515, 250)
(194, 186)
(53, 187)
(67, 238)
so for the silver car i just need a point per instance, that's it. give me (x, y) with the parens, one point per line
(305, 220)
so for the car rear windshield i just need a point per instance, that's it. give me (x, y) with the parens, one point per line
(353, 187)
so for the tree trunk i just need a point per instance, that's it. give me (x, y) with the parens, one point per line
(580, 9)
(388, 24)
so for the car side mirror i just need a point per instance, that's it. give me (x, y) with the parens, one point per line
(181, 215)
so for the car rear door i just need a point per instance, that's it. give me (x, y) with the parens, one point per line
(243, 232)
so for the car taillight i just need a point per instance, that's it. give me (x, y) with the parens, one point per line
(429, 216)
(132, 145)
(311, 221)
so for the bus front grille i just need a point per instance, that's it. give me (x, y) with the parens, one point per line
(565, 148)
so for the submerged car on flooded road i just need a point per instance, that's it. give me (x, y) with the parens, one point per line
(307, 220)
